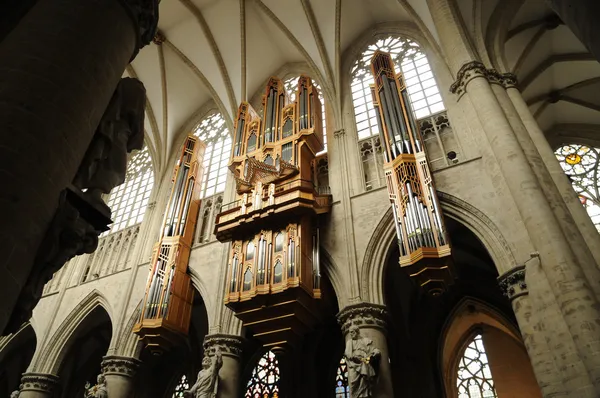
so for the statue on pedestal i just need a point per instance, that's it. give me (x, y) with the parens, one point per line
(97, 391)
(363, 364)
(207, 384)
(120, 131)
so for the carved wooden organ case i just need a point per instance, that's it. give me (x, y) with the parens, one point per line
(422, 238)
(167, 304)
(274, 267)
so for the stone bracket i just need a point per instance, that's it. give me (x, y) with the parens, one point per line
(513, 284)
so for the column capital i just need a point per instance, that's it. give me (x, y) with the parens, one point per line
(466, 73)
(230, 345)
(509, 80)
(363, 315)
(122, 366)
(512, 283)
(144, 15)
(39, 382)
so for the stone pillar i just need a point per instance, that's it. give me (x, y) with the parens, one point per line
(38, 385)
(60, 66)
(231, 349)
(119, 373)
(549, 379)
(586, 229)
(371, 320)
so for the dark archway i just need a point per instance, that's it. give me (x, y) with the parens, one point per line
(15, 359)
(417, 319)
(159, 374)
(84, 351)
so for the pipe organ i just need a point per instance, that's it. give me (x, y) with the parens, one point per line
(422, 238)
(167, 305)
(274, 266)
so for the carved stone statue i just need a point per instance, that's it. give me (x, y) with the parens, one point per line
(97, 391)
(15, 394)
(244, 203)
(120, 131)
(207, 384)
(257, 194)
(271, 194)
(363, 364)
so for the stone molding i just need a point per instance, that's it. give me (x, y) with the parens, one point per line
(122, 366)
(228, 344)
(144, 15)
(339, 133)
(40, 382)
(513, 283)
(363, 315)
(474, 69)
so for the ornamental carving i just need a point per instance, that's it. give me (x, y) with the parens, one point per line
(509, 80)
(40, 382)
(513, 283)
(228, 345)
(123, 366)
(363, 315)
(467, 72)
(144, 15)
(339, 133)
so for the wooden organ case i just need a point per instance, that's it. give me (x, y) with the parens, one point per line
(167, 304)
(274, 267)
(424, 246)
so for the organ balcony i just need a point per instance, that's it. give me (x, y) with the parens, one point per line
(274, 265)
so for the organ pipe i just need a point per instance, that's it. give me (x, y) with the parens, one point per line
(424, 245)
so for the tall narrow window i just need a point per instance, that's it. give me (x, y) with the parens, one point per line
(182, 386)
(342, 389)
(474, 378)
(291, 85)
(213, 132)
(264, 382)
(422, 88)
(128, 201)
(580, 164)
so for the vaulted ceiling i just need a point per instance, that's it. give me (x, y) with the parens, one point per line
(225, 50)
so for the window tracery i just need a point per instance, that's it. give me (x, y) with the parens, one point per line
(474, 379)
(580, 164)
(422, 88)
(264, 382)
(213, 132)
(291, 85)
(128, 201)
(182, 386)
(342, 389)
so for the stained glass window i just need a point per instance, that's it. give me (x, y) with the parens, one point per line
(129, 200)
(291, 85)
(474, 378)
(213, 131)
(182, 386)
(580, 164)
(342, 389)
(264, 382)
(412, 62)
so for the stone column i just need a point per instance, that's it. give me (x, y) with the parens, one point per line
(38, 385)
(549, 379)
(231, 349)
(119, 373)
(371, 319)
(60, 66)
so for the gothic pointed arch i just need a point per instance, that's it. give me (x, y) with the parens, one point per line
(62, 339)
(16, 352)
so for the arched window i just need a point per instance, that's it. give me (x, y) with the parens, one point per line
(213, 131)
(291, 85)
(342, 389)
(474, 379)
(128, 201)
(182, 386)
(408, 56)
(264, 382)
(580, 164)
